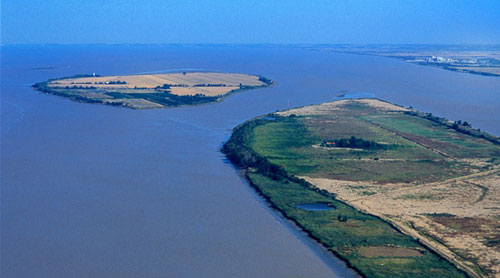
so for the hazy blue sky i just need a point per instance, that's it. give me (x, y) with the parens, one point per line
(234, 21)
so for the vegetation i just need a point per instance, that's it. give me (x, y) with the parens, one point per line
(405, 148)
(344, 230)
(166, 98)
(117, 82)
(462, 127)
(269, 82)
(353, 142)
(74, 76)
(149, 94)
(209, 85)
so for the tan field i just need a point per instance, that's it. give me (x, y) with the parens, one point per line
(231, 81)
(458, 217)
(153, 90)
(329, 107)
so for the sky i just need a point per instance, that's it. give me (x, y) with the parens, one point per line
(235, 21)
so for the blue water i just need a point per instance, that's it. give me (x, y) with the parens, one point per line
(356, 95)
(99, 191)
(316, 206)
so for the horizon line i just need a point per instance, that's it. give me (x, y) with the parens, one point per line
(254, 44)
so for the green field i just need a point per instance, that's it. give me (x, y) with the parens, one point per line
(344, 230)
(420, 151)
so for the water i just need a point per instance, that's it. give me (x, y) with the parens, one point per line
(100, 191)
(355, 95)
(316, 206)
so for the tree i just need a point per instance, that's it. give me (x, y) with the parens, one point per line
(341, 218)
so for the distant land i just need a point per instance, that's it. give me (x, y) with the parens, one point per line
(384, 187)
(152, 90)
(475, 59)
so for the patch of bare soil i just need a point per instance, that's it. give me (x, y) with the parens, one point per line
(459, 218)
(329, 107)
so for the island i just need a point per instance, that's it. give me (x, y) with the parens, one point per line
(392, 191)
(152, 90)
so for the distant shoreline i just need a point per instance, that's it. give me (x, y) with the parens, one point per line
(485, 62)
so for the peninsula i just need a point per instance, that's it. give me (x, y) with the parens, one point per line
(393, 191)
(152, 90)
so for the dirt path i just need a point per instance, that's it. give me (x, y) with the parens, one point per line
(407, 225)
(430, 184)
(431, 244)
(483, 189)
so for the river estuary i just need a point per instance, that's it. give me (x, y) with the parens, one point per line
(98, 191)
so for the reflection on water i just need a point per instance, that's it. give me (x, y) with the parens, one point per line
(99, 191)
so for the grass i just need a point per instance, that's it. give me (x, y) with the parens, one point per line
(346, 237)
(436, 135)
(289, 142)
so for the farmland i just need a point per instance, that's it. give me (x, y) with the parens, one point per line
(152, 90)
(427, 194)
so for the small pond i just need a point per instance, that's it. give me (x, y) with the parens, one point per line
(316, 206)
(268, 118)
